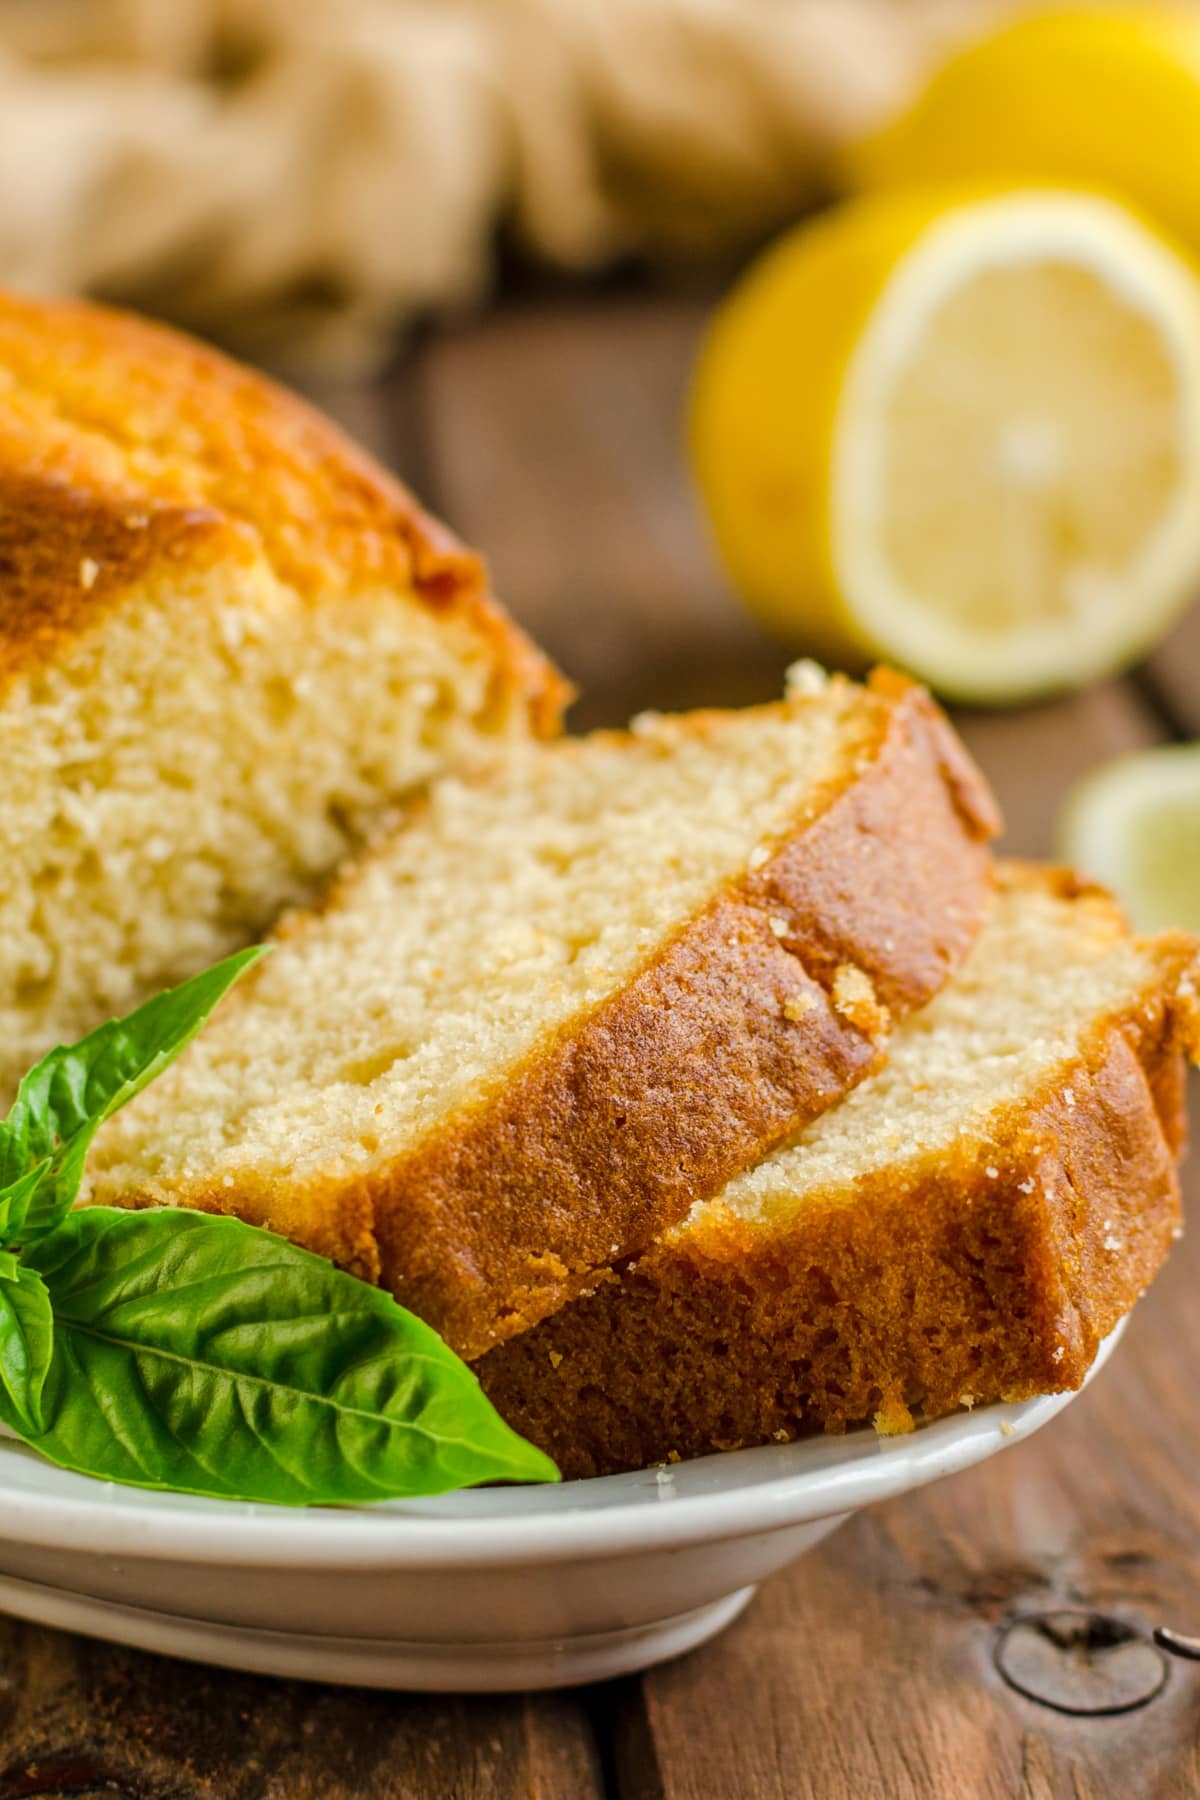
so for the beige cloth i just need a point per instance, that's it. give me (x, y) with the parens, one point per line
(305, 174)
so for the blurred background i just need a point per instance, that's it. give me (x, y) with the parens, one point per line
(307, 178)
(730, 330)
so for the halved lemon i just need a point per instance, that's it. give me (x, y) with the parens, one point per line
(961, 432)
(1105, 97)
(1135, 826)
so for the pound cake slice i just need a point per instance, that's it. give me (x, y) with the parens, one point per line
(227, 639)
(575, 994)
(966, 1226)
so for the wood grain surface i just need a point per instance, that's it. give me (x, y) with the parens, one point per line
(549, 434)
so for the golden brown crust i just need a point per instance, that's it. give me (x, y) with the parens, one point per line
(742, 1030)
(123, 443)
(946, 1280)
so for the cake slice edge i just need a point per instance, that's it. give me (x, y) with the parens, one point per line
(990, 1274)
(757, 1015)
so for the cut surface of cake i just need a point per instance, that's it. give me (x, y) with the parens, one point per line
(966, 1226)
(227, 640)
(575, 993)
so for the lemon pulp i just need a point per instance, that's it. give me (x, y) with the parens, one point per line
(962, 432)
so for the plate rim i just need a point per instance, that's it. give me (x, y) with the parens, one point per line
(233, 1533)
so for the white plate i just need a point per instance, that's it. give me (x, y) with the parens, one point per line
(505, 1588)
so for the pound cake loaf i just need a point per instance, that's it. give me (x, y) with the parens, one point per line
(573, 995)
(966, 1226)
(227, 639)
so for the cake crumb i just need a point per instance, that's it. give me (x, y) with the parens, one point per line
(778, 924)
(1007, 1428)
(796, 1006)
(805, 679)
(781, 1436)
(759, 856)
(88, 571)
(855, 999)
(555, 1358)
(1058, 1353)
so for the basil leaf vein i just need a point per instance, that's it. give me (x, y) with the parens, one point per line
(65, 1098)
(26, 1347)
(182, 1351)
(241, 1366)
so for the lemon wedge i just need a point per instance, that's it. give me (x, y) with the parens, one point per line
(960, 432)
(1100, 97)
(1135, 826)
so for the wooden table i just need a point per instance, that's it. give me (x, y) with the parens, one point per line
(550, 434)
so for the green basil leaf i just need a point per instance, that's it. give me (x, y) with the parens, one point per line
(15, 1199)
(199, 1354)
(26, 1346)
(66, 1097)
